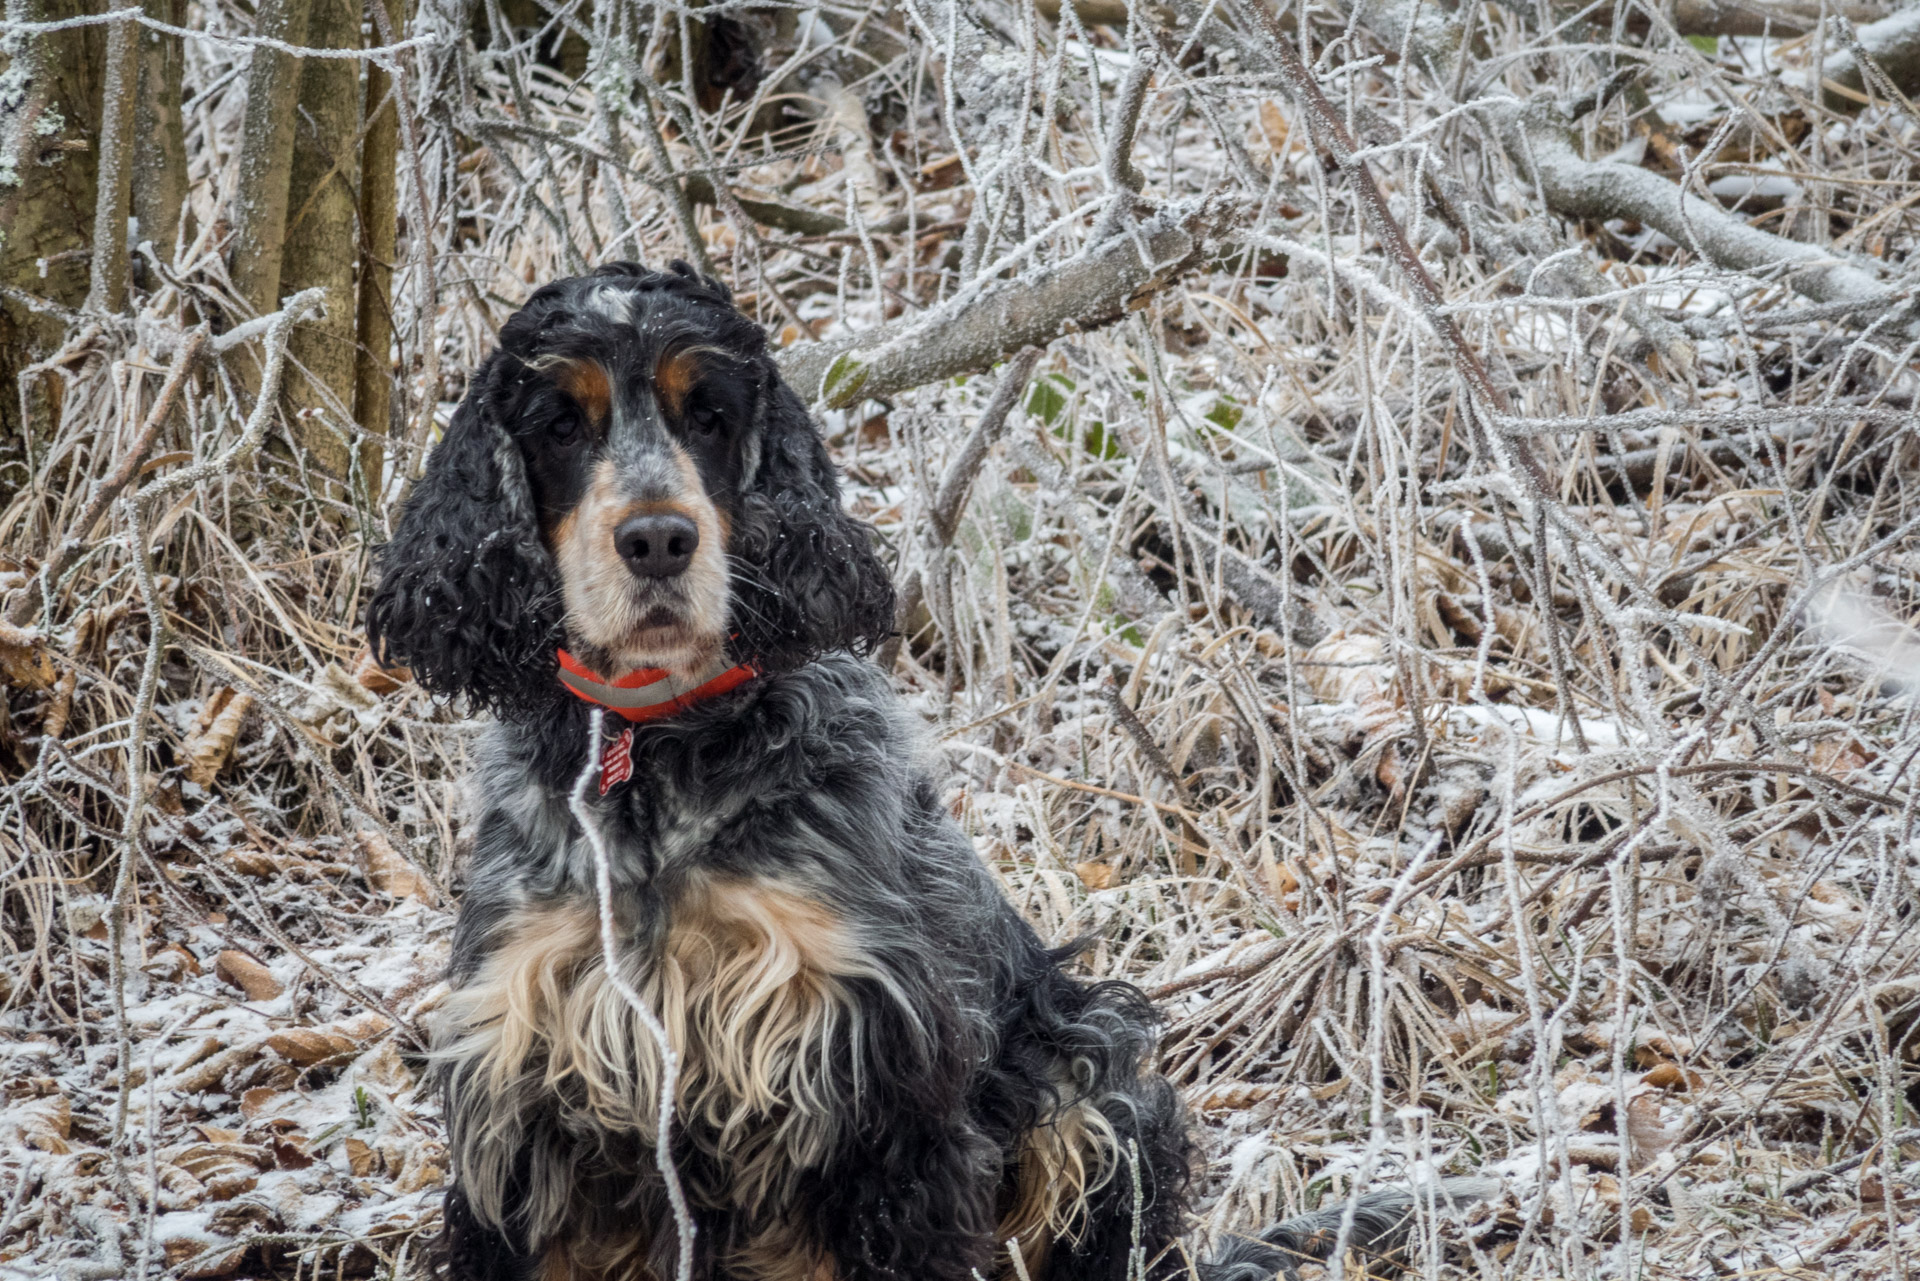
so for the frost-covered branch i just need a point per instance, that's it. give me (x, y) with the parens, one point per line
(1092, 289)
(1576, 187)
(1892, 45)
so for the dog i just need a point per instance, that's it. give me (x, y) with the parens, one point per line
(883, 1073)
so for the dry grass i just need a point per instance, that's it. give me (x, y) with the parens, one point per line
(1566, 837)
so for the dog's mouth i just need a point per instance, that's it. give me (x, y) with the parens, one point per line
(668, 635)
(646, 625)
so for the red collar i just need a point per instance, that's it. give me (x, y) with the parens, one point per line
(651, 693)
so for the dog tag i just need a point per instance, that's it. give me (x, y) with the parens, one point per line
(616, 762)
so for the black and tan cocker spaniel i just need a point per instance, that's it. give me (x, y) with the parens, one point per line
(883, 1073)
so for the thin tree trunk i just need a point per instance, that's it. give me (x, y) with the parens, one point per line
(320, 241)
(159, 133)
(379, 236)
(46, 209)
(266, 158)
(113, 191)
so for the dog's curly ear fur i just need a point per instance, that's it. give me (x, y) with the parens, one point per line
(468, 595)
(806, 580)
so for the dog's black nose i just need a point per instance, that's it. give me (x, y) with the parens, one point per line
(657, 546)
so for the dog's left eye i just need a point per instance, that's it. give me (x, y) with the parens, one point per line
(705, 419)
(565, 429)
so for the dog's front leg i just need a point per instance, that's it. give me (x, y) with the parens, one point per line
(470, 1249)
(911, 1203)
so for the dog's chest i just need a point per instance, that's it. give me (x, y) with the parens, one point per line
(749, 982)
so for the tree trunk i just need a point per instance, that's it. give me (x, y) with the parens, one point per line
(266, 157)
(379, 235)
(319, 245)
(47, 120)
(113, 174)
(159, 134)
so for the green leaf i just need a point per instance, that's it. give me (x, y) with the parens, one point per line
(1226, 414)
(1047, 398)
(1709, 45)
(1100, 443)
(845, 377)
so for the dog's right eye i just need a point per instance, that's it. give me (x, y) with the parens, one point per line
(565, 429)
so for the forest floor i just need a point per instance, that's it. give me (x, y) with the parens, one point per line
(1458, 824)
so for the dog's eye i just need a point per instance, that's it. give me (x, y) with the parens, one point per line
(565, 429)
(705, 419)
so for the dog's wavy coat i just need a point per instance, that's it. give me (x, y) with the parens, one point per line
(884, 1072)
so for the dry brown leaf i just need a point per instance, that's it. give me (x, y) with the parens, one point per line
(1274, 127)
(386, 1069)
(188, 1244)
(1283, 884)
(1671, 1076)
(1095, 876)
(226, 1168)
(361, 1159)
(24, 660)
(370, 674)
(309, 1047)
(60, 706)
(425, 1167)
(389, 872)
(247, 974)
(1232, 1096)
(259, 1101)
(1332, 1089)
(1839, 757)
(211, 746)
(1598, 1156)
(1647, 1135)
(256, 864)
(45, 1124)
(178, 1189)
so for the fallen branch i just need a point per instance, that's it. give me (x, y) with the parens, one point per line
(1854, 1162)
(1774, 18)
(1094, 288)
(1544, 151)
(1576, 187)
(1640, 466)
(768, 213)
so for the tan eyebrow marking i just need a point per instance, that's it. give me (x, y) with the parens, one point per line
(587, 382)
(675, 376)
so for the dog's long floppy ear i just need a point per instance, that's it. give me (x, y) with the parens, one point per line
(468, 594)
(806, 580)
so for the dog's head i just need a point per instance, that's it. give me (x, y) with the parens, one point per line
(628, 476)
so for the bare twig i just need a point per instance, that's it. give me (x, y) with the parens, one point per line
(615, 970)
(185, 359)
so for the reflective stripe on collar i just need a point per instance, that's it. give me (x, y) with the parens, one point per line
(651, 693)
